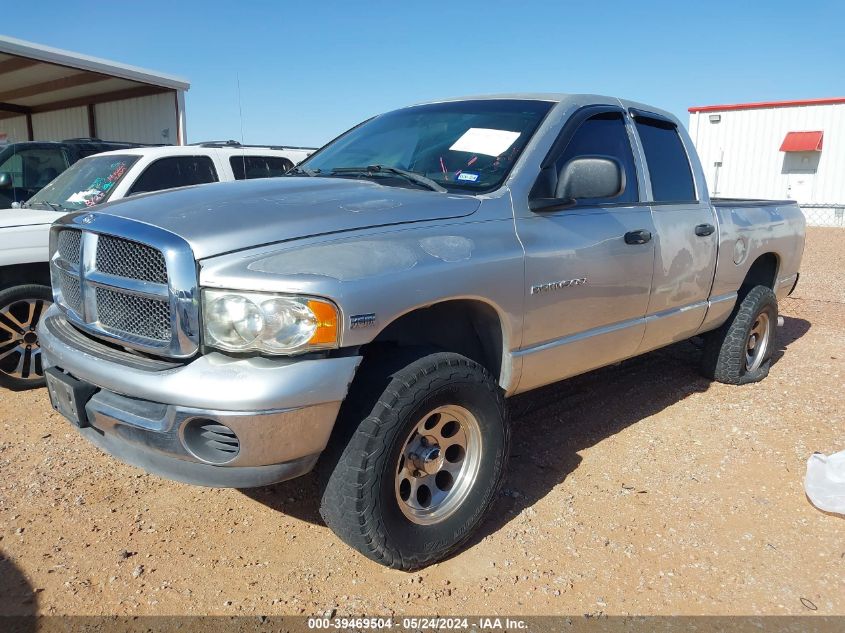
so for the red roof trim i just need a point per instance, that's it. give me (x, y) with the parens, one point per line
(768, 104)
(802, 142)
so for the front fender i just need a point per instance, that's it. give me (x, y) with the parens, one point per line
(24, 244)
(390, 273)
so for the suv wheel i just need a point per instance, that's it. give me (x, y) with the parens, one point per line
(415, 478)
(21, 308)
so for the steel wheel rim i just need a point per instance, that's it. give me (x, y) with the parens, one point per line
(438, 465)
(757, 342)
(20, 351)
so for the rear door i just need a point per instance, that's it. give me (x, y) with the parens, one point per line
(686, 238)
(587, 287)
(175, 171)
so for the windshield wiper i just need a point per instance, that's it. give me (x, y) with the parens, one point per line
(54, 206)
(373, 170)
(302, 171)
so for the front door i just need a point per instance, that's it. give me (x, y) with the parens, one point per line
(31, 169)
(587, 287)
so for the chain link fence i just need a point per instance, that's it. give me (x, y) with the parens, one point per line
(824, 214)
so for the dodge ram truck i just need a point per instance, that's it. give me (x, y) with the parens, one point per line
(370, 313)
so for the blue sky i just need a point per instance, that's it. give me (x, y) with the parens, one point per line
(309, 70)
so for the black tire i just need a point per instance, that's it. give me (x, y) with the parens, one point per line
(361, 469)
(20, 354)
(725, 358)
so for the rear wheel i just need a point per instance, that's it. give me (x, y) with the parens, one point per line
(21, 308)
(415, 478)
(740, 352)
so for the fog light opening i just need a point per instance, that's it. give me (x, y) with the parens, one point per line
(210, 441)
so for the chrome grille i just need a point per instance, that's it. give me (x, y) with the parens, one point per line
(139, 291)
(70, 246)
(138, 316)
(125, 258)
(71, 290)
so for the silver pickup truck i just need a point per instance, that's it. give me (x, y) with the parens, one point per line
(371, 313)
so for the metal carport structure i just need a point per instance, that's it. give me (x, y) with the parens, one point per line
(48, 94)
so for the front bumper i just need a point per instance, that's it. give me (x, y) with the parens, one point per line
(281, 411)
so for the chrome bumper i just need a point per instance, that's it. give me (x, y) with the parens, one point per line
(281, 411)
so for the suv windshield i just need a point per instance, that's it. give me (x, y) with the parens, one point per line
(88, 182)
(467, 146)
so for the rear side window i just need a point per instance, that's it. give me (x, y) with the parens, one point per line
(175, 171)
(668, 165)
(604, 135)
(249, 167)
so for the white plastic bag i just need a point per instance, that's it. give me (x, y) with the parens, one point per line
(825, 482)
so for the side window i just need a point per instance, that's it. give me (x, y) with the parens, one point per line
(14, 167)
(668, 164)
(249, 167)
(604, 135)
(34, 168)
(175, 171)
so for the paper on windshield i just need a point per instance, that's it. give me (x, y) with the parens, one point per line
(82, 196)
(482, 140)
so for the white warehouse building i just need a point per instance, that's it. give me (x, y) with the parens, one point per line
(780, 149)
(48, 94)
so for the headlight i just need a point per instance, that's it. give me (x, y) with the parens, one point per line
(275, 324)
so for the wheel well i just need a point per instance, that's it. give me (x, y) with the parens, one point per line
(18, 274)
(468, 327)
(763, 272)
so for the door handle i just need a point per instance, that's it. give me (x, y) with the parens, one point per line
(703, 230)
(637, 237)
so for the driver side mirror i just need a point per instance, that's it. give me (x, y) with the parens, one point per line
(590, 177)
(5, 180)
(584, 178)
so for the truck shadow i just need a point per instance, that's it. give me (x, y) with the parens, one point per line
(552, 424)
(18, 600)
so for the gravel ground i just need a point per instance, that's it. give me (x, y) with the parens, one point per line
(637, 489)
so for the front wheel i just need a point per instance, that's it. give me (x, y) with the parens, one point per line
(21, 308)
(418, 474)
(740, 352)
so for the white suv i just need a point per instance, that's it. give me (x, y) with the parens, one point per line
(24, 233)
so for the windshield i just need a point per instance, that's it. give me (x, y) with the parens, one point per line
(467, 146)
(90, 181)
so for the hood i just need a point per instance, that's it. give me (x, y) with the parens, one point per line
(225, 217)
(27, 217)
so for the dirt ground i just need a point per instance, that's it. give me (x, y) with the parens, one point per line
(637, 489)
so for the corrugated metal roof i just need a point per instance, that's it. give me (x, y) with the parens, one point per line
(50, 55)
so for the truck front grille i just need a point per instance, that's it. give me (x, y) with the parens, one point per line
(121, 289)
(138, 316)
(124, 258)
(70, 246)
(71, 290)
